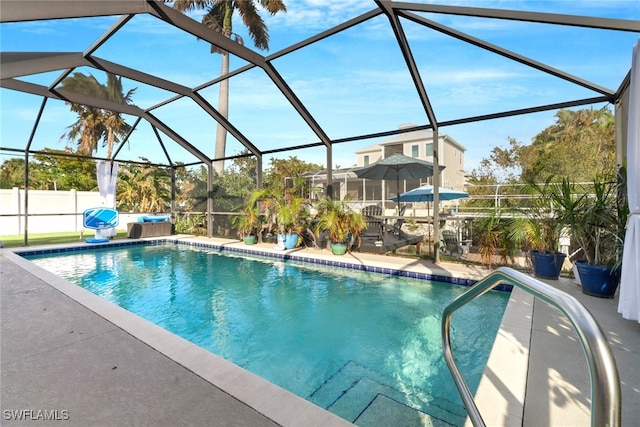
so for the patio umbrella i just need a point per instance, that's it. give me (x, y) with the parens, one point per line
(424, 193)
(629, 298)
(396, 167)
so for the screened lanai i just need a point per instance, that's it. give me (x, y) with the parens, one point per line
(348, 80)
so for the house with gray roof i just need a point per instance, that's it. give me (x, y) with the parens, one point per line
(413, 143)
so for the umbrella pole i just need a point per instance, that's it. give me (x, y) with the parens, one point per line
(429, 228)
(398, 193)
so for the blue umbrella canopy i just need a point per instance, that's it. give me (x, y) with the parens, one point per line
(424, 193)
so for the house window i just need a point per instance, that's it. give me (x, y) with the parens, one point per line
(428, 151)
(414, 151)
(366, 160)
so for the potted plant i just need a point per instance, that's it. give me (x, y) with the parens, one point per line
(247, 224)
(496, 240)
(341, 223)
(598, 230)
(284, 213)
(292, 216)
(541, 225)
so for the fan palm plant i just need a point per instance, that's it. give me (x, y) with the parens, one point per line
(497, 239)
(339, 221)
(541, 224)
(248, 221)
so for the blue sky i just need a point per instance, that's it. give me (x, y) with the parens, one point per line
(353, 83)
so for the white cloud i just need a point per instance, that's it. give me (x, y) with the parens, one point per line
(447, 77)
(318, 14)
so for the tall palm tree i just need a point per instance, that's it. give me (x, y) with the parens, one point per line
(219, 18)
(114, 124)
(95, 124)
(88, 129)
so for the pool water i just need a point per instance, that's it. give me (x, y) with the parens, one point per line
(365, 346)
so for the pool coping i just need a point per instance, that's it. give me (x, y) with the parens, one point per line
(282, 406)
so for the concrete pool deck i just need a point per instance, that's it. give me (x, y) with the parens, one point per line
(89, 362)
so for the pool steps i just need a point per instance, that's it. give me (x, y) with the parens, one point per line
(378, 399)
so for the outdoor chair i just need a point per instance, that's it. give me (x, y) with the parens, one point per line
(451, 243)
(396, 227)
(373, 217)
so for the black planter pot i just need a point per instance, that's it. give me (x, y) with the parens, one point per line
(598, 281)
(547, 266)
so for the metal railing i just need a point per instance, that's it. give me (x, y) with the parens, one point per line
(605, 382)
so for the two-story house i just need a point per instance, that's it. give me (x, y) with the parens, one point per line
(418, 144)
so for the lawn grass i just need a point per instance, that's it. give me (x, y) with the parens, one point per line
(17, 240)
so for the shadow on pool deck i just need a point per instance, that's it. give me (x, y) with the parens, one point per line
(59, 355)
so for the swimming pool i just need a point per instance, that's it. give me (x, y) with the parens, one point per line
(356, 343)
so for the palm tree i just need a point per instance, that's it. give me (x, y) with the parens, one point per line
(219, 18)
(95, 124)
(144, 189)
(88, 129)
(113, 122)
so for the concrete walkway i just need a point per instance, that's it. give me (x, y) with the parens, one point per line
(90, 363)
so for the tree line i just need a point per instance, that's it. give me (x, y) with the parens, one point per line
(579, 147)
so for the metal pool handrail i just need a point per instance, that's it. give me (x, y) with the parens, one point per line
(605, 383)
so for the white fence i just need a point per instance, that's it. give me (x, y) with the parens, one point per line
(49, 211)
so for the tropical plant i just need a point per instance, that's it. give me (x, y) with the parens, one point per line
(95, 124)
(219, 18)
(497, 239)
(292, 214)
(598, 222)
(192, 224)
(143, 188)
(248, 221)
(542, 221)
(283, 213)
(339, 220)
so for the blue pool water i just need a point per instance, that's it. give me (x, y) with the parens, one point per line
(365, 346)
